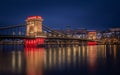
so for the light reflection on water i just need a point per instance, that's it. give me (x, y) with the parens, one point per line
(34, 58)
(92, 57)
(41, 61)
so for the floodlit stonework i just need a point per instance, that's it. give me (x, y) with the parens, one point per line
(34, 26)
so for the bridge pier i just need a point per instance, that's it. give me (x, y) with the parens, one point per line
(36, 42)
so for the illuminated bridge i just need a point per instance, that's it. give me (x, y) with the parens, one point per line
(34, 33)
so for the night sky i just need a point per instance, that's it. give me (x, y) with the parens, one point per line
(90, 14)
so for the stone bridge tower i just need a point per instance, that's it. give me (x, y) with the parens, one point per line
(34, 26)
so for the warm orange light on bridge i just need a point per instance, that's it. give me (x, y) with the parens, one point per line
(92, 35)
(34, 26)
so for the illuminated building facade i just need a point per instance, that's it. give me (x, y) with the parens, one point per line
(92, 35)
(81, 33)
(34, 26)
(111, 36)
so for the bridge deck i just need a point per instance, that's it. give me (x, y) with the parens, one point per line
(57, 38)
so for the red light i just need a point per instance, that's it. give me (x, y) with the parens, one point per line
(34, 42)
(34, 17)
(92, 43)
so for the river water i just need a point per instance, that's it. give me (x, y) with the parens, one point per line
(55, 60)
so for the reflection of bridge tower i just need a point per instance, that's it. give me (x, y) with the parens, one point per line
(34, 26)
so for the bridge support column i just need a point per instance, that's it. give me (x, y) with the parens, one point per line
(36, 42)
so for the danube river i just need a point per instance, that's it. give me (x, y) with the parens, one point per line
(55, 60)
